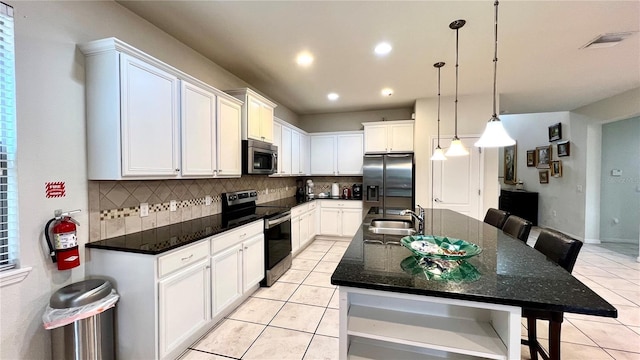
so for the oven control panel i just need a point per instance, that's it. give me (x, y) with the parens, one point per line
(245, 197)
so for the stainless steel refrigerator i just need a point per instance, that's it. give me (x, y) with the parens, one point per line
(388, 183)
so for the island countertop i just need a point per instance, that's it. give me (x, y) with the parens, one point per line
(511, 273)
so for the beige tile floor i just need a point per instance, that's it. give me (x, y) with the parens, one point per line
(297, 318)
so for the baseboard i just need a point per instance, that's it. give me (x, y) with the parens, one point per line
(592, 241)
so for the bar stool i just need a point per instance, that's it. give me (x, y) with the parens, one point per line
(517, 227)
(563, 250)
(496, 217)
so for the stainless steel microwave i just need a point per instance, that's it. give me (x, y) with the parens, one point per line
(259, 157)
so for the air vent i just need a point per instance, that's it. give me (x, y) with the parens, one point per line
(607, 40)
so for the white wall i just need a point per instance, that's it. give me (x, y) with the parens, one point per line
(620, 195)
(562, 195)
(348, 121)
(473, 113)
(51, 139)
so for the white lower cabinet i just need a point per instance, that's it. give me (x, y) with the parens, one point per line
(340, 217)
(170, 300)
(226, 279)
(303, 226)
(183, 306)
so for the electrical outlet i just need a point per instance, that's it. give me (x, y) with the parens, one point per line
(554, 213)
(579, 188)
(207, 200)
(266, 191)
(144, 209)
(173, 205)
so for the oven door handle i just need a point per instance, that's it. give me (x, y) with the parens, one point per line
(274, 166)
(277, 221)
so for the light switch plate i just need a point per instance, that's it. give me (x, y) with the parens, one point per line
(207, 200)
(173, 205)
(144, 209)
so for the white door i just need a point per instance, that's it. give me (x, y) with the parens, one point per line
(401, 138)
(375, 137)
(277, 141)
(226, 278)
(295, 234)
(229, 117)
(304, 229)
(457, 182)
(183, 305)
(330, 221)
(198, 122)
(252, 261)
(253, 118)
(266, 123)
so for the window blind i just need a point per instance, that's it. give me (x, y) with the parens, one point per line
(8, 188)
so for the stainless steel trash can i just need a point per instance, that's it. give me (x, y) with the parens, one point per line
(92, 338)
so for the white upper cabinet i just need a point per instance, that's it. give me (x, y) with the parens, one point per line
(257, 115)
(293, 149)
(149, 101)
(336, 153)
(229, 146)
(388, 136)
(198, 114)
(148, 120)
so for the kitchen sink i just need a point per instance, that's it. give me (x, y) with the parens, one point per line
(392, 227)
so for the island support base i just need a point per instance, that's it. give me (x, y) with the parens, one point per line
(381, 324)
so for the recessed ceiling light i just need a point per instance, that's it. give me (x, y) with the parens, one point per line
(382, 48)
(387, 92)
(304, 59)
(333, 96)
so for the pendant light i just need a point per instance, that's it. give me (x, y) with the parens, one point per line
(494, 134)
(438, 154)
(456, 148)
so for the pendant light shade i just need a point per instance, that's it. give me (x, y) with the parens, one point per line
(456, 148)
(438, 154)
(494, 134)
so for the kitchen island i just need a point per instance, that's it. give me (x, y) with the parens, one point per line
(390, 310)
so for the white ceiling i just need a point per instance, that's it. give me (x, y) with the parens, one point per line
(541, 66)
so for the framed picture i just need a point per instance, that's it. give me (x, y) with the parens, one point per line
(531, 158)
(543, 157)
(555, 132)
(556, 168)
(564, 149)
(510, 157)
(543, 176)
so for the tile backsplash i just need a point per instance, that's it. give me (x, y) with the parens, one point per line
(114, 206)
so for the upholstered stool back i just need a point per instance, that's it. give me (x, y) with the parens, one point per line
(517, 227)
(496, 217)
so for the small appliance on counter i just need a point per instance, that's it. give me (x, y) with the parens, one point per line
(356, 191)
(309, 191)
(335, 190)
(346, 193)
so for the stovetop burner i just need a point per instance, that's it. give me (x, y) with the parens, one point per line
(241, 206)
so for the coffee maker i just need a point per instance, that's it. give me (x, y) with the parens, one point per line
(300, 190)
(356, 191)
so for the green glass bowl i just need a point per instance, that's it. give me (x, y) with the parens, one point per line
(440, 247)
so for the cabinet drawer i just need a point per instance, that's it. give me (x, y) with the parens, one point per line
(236, 236)
(299, 210)
(342, 204)
(181, 258)
(312, 205)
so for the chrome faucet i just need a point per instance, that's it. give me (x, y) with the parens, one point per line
(419, 217)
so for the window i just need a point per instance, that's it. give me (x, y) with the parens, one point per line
(8, 188)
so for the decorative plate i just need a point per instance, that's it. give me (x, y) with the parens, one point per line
(440, 247)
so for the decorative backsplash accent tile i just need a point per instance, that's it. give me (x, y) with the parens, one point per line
(114, 201)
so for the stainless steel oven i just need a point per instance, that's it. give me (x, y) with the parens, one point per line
(277, 238)
(259, 157)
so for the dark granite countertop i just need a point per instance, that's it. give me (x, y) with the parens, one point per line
(161, 239)
(511, 273)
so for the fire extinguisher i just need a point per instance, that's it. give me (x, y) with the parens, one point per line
(64, 249)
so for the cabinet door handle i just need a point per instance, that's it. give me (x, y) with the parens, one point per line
(243, 235)
(240, 249)
(219, 171)
(177, 170)
(246, 247)
(187, 258)
(437, 200)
